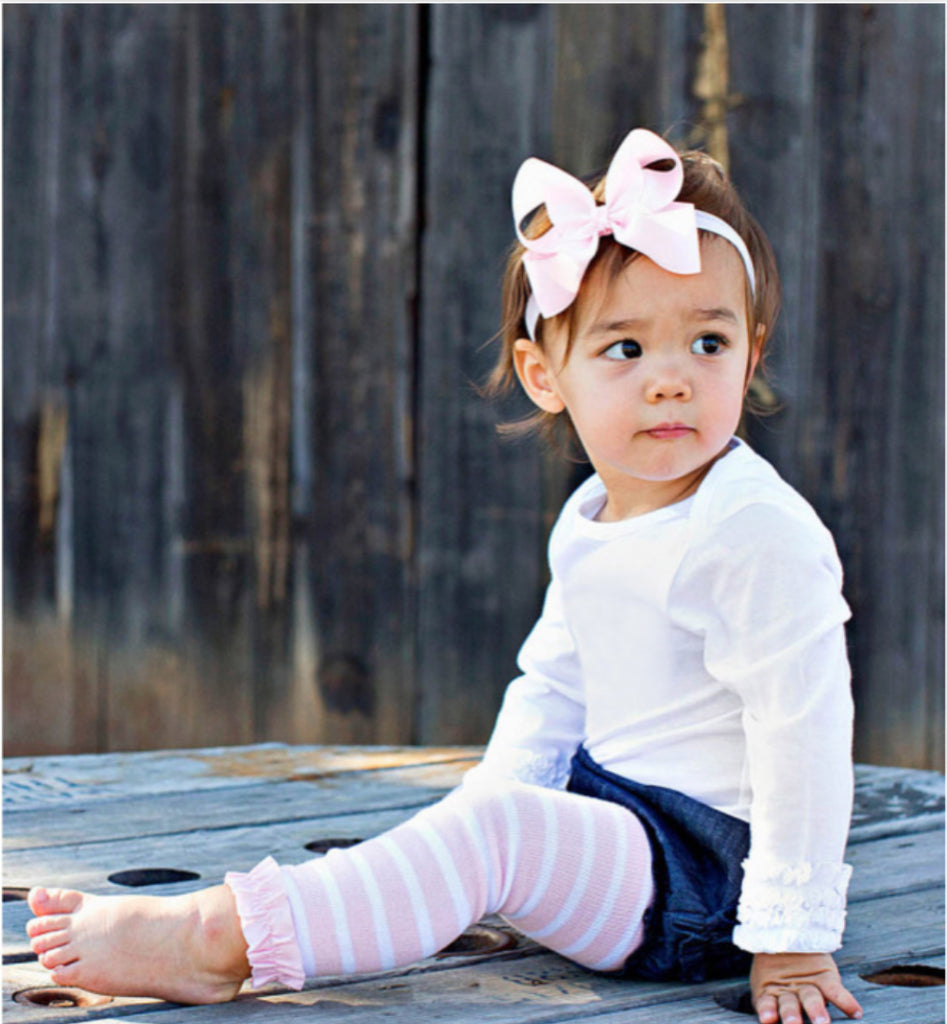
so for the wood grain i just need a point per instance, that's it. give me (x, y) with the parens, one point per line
(253, 257)
(895, 912)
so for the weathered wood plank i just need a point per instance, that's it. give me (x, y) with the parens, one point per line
(19, 978)
(896, 864)
(31, 782)
(480, 538)
(56, 313)
(895, 800)
(887, 800)
(543, 987)
(644, 40)
(884, 926)
(207, 853)
(892, 927)
(834, 162)
(886, 1006)
(177, 180)
(210, 853)
(890, 469)
(884, 865)
(230, 318)
(36, 644)
(354, 442)
(254, 805)
(881, 868)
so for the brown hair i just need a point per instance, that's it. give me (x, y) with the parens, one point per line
(707, 186)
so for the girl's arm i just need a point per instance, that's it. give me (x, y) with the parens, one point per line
(797, 723)
(792, 908)
(542, 719)
(765, 587)
(767, 583)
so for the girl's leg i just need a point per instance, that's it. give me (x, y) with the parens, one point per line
(571, 872)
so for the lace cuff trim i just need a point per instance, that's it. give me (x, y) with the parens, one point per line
(550, 771)
(792, 908)
(267, 926)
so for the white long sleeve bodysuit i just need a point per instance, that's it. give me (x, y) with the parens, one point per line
(701, 648)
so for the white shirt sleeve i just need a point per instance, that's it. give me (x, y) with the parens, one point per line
(765, 590)
(542, 720)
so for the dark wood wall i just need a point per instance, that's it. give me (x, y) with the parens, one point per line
(251, 265)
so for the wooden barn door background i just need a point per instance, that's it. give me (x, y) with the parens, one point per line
(251, 267)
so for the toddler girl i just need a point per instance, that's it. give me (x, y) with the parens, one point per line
(668, 787)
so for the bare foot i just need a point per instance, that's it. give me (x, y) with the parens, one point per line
(187, 949)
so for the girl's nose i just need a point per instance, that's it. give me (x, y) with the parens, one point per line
(668, 383)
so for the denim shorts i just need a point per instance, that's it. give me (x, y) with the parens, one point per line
(697, 855)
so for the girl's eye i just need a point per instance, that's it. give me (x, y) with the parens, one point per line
(709, 345)
(626, 349)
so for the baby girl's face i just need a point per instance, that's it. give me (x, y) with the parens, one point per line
(656, 377)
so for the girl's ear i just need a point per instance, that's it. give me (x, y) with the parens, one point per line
(533, 371)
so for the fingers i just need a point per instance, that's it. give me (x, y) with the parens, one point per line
(767, 1009)
(771, 1008)
(844, 1000)
(814, 1004)
(787, 1007)
(788, 987)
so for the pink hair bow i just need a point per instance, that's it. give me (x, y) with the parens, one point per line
(639, 210)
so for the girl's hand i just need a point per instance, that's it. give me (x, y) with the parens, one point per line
(786, 984)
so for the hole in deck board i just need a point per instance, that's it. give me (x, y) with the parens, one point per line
(14, 892)
(477, 941)
(738, 1000)
(907, 976)
(325, 845)
(57, 998)
(151, 876)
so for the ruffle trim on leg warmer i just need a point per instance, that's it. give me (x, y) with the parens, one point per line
(267, 924)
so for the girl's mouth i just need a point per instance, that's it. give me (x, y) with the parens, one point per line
(669, 431)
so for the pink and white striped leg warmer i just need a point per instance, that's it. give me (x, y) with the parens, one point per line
(569, 871)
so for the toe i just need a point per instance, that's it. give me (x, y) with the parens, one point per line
(54, 901)
(67, 975)
(48, 923)
(58, 957)
(36, 898)
(48, 940)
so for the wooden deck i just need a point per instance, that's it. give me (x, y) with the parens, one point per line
(81, 821)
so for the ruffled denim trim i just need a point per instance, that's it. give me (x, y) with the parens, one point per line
(267, 924)
(792, 908)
